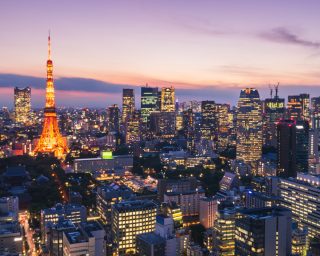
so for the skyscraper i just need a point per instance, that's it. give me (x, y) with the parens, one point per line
(167, 99)
(249, 127)
(299, 107)
(133, 128)
(315, 113)
(302, 142)
(22, 104)
(274, 111)
(114, 118)
(51, 141)
(149, 102)
(286, 148)
(128, 104)
(209, 120)
(223, 125)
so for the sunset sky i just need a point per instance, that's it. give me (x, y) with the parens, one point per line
(206, 49)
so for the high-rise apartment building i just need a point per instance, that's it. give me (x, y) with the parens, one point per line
(167, 99)
(149, 102)
(263, 231)
(162, 124)
(22, 104)
(129, 219)
(249, 127)
(207, 211)
(128, 104)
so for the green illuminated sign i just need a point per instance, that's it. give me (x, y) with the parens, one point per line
(106, 155)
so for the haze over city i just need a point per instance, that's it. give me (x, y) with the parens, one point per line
(205, 49)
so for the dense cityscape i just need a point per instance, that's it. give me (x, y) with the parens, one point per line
(159, 174)
(165, 178)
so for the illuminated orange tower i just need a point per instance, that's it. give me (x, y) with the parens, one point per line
(51, 140)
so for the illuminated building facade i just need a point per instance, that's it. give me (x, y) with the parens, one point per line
(208, 211)
(249, 127)
(302, 196)
(263, 231)
(299, 107)
(51, 140)
(286, 148)
(149, 102)
(223, 125)
(209, 120)
(167, 99)
(128, 104)
(133, 129)
(224, 232)
(22, 104)
(129, 219)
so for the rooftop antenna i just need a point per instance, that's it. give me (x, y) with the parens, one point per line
(276, 87)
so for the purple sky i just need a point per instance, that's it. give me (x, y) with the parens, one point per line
(207, 49)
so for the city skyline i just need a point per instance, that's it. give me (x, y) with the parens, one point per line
(217, 47)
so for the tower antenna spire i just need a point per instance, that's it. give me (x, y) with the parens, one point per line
(49, 46)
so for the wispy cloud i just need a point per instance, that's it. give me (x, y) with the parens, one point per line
(285, 36)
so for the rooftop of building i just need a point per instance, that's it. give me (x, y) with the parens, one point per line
(265, 212)
(151, 238)
(134, 205)
(190, 192)
(90, 227)
(75, 237)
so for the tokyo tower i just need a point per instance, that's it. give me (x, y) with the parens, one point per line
(51, 140)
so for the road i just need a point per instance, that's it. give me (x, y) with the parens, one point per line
(23, 217)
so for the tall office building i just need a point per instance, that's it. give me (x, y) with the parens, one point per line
(209, 120)
(133, 128)
(149, 102)
(315, 113)
(299, 107)
(22, 104)
(302, 196)
(302, 145)
(114, 118)
(223, 125)
(274, 110)
(163, 124)
(129, 219)
(249, 127)
(286, 148)
(128, 104)
(224, 232)
(167, 99)
(263, 231)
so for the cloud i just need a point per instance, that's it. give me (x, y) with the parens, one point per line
(62, 83)
(285, 36)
